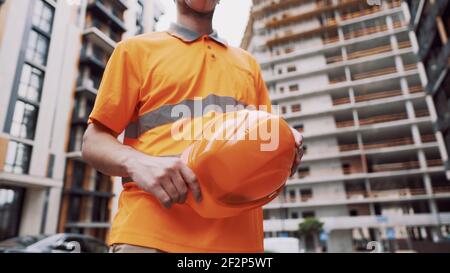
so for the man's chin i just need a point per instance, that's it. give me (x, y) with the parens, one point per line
(199, 12)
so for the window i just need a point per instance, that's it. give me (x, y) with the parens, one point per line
(24, 104)
(17, 158)
(303, 172)
(306, 194)
(11, 200)
(24, 120)
(30, 86)
(283, 110)
(43, 17)
(281, 89)
(37, 48)
(294, 88)
(296, 108)
(292, 196)
(291, 68)
(308, 214)
(294, 215)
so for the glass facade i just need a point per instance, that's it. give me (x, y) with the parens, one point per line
(25, 101)
(11, 199)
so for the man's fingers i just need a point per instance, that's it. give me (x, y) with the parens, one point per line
(180, 185)
(168, 186)
(162, 196)
(191, 180)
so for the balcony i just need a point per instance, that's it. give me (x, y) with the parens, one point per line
(380, 119)
(322, 7)
(369, 52)
(334, 59)
(372, 221)
(89, 85)
(101, 37)
(99, 10)
(365, 31)
(356, 197)
(400, 166)
(374, 73)
(385, 193)
(397, 142)
(375, 96)
(275, 6)
(328, 27)
(360, 13)
(96, 59)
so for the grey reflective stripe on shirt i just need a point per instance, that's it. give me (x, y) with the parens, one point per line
(186, 109)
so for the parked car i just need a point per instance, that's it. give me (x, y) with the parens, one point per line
(57, 243)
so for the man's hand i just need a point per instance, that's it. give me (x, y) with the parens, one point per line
(299, 152)
(166, 178)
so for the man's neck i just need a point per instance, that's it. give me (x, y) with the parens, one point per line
(200, 25)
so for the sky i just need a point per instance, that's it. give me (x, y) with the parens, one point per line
(230, 19)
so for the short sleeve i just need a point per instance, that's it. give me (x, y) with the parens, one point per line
(118, 94)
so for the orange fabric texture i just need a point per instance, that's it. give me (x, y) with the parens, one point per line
(156, 70)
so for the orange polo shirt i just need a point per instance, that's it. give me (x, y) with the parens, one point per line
(146, 77)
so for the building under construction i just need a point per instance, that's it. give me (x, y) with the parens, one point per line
(346, 73)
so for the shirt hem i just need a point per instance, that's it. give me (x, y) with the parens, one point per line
(158, 243)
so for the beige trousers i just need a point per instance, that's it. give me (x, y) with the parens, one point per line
(124, 248)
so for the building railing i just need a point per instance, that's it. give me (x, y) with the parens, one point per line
(341, 101)
(348, 147)
(334, 59)
(345, 123)
(366, 52)
(375, 73)
(409, 67)
(381, 119)
(363, 194)
(369, 52)
(338, 79)
(360, 13)
(386, 143)
(404, 44)
(378, 95)
(365, 31)
(387, 167)
(416, 89)
(441, 190)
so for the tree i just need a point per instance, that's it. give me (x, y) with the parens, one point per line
(311, 227)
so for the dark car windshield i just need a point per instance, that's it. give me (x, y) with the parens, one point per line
(21, 242)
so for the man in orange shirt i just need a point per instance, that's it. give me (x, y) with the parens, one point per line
(147, 77)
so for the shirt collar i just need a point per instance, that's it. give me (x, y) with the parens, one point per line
(189, 36)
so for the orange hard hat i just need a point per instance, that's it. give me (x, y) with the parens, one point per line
(243, 163)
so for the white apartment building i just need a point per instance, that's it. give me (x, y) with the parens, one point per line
(345, 73)
(52, 55)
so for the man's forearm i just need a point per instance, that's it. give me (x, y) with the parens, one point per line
(105, 153)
